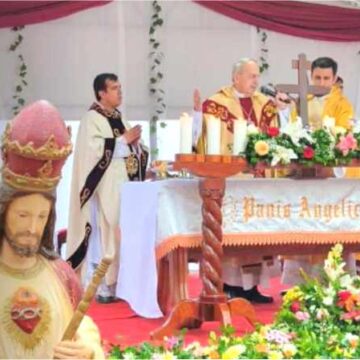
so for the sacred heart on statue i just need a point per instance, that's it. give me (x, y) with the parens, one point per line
(26, 310)
(26, 317)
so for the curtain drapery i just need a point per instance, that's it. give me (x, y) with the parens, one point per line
(18, 13)
(303, 19)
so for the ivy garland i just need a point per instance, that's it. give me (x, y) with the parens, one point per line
(263, 57)
(21, 82)
(157, 94)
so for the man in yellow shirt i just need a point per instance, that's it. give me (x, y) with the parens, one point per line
(337, 106)
(334, 104)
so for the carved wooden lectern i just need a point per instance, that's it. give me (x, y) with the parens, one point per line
(213, 304)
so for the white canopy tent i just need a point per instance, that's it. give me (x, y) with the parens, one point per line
(200, 46)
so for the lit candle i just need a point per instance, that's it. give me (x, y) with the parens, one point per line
(186, 124)
(213, 128)
(240, 136)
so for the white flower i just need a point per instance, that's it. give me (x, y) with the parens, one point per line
(346, 281)
(322, 314)
(252, 129)
(328, 122)
(330, 294)
(156, 356)
(338, 130)
(129, 356)
(352, 339)
(282, 155)
(296, 132)
(328, 300)
(333, 271)
(289, 350)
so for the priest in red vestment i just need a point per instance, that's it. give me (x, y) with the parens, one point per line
(241, 100)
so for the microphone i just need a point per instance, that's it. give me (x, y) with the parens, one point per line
(271, 92)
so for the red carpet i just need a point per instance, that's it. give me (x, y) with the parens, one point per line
(119, 324)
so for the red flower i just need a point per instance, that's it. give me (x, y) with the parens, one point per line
(272, 131)
(295, 306)
(352, 315)
(343, 296)
(308, 152)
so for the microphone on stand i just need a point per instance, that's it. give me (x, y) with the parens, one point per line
(271, 92)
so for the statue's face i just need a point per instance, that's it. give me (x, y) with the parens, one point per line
(25, 222)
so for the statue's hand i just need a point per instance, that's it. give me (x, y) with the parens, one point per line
(73, 350)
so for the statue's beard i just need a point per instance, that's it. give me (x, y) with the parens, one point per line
(20, 249)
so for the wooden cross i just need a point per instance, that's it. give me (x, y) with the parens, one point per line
(302, 88)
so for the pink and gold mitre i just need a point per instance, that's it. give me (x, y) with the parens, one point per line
(35, 146)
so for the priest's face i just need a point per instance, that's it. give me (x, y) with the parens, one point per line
(246, 80)
(323, 77)
(25, 221)
(112, 96)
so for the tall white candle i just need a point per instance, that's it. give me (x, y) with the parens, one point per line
(240, 136)
(213, 136)
(186, 124)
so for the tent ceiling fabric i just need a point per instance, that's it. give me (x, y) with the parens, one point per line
(18, 13)
(303, 19)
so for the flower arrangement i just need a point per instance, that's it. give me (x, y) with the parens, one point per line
(329, 146)
(318, 319)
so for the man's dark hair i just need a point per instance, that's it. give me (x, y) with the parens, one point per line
(324, 63)
(100, 83)
(339, 80)
(7, 196)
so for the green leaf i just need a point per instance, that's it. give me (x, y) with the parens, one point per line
(155, 152)
(21, 101)
(156, 45)
(18, 88)
(153, 91)
(22, 67)
(152, 30)
(152, 128)
(153, 80)
(163, 125)
(159, 22)
(160, 75)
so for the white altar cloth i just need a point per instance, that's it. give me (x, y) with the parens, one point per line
(157, 217)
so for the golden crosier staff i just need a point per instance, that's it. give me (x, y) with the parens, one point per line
(86, 299)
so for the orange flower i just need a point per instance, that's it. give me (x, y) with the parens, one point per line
(262, 148)
(214, 355)
(262, 348)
